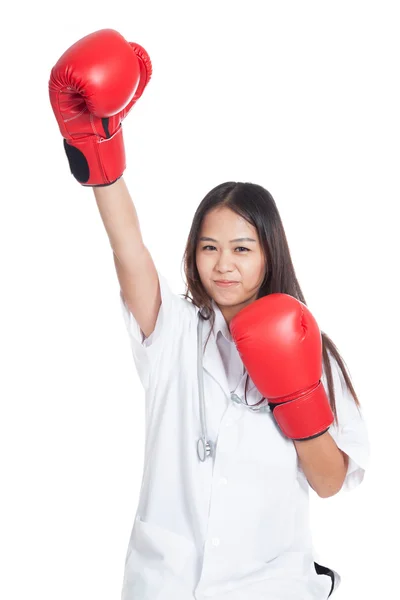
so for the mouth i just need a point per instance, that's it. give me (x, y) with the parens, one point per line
(226, 283)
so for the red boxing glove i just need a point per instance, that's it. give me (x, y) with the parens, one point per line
(92, 87)
(280, 345)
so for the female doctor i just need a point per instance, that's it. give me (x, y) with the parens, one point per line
(248, 404)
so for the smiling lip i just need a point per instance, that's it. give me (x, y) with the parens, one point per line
(226, 283)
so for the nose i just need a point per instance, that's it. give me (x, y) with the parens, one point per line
(224, 263)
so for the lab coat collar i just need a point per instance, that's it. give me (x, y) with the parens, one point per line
(220, 323)
(212, 360)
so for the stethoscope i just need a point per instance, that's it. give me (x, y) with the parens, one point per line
(204, 446)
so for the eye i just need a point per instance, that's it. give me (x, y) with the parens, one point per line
(241, 247)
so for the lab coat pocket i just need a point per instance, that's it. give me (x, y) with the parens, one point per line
(155, 561)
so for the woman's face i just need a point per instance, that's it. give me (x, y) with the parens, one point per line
(227, 257)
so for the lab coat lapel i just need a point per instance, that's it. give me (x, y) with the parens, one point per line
(212, 360)
(213, 364)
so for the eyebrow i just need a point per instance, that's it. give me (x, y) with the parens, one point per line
(243, 239)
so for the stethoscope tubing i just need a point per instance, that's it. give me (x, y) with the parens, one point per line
(205, 447)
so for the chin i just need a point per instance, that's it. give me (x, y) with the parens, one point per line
(230, 303)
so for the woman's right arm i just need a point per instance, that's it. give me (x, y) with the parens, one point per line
(94, 146)
(135, 268)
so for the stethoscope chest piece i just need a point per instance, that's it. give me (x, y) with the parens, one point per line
(203, 449)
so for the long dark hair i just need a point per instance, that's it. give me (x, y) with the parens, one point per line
(255, 204)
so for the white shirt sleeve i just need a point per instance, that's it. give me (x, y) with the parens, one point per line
(146, 351)
(351, 433)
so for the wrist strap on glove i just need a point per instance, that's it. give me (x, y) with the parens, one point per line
(96, 161)
(306, 417)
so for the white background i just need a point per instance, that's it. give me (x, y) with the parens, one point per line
(301, 97)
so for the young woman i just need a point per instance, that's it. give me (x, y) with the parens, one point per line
(248, 404)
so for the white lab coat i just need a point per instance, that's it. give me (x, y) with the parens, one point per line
(234, 527)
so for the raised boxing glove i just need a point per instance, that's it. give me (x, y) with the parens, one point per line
(92, 87)
(280, 345)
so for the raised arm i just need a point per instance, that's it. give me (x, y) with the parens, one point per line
(135, 268)
(92, 87)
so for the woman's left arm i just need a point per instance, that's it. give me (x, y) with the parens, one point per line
(323, 464)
